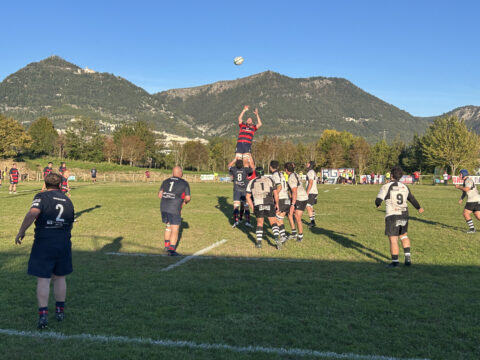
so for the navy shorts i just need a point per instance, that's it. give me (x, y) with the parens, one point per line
(172, 219)
(50, 257)
(284, 205)
(13, 182)
(264, 211)
(243, 148)
(239, 196)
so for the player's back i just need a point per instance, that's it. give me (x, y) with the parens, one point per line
(472, 194)
(312, 175)
(278, 178)
(174, 190)
(261, 190)
(294, 182)
(395, 195)
(56, 215)
(240, 181)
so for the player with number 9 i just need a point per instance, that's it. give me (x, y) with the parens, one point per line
(51, 256)
(396, 195)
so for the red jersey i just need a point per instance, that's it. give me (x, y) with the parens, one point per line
(14, 175)
(46, 171)
(245, 135)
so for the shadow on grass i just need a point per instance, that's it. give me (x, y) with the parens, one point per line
(114, 246)
(227, 209)
(429, 222)
(81, 212)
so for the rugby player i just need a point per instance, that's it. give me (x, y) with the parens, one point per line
(261, 197)
(299, 199)
(396, 195)
(174, 192)
(240, 174)
(14, 175)
(243, 150)
(64, 187)
(62, 168)
(46, 170)
(470, 190)
(93, 173)
(312, 191)
(51, 256)
(283, 204)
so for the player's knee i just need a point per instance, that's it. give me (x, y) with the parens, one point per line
(236, 204)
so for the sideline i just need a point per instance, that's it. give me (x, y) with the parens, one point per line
(194, 345)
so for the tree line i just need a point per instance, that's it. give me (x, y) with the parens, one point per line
(448, 143)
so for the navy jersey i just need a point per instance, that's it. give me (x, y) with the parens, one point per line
(174, 192)
(240, 176)
(56, 215)
(94, 172)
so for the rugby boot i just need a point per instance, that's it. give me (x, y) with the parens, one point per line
(43, 321)
(408, 260)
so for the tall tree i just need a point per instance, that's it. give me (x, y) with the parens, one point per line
(13, 137)
(197, 154)
(84, 141)
(109, 149)
(44, 136)
(448, 142)
(134, 149)
(359, 154)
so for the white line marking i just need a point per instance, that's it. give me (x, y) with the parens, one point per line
(213, 257)
(326, 190)
(194, 345)
(337, 188)
(200, 252)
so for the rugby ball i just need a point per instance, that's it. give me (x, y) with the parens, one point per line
(238, 60)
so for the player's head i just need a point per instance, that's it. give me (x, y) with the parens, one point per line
(259, 171)
(63, 163)
(396, 172)
(311, 165)
(249, 121)
(463, 173)
(289, 167)
(177, 171)
(14, 165)
(274, 165)
(239, 164)
(66, 174)
(53, 181)
(50, 164)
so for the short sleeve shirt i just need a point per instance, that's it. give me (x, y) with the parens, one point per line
(261, 190)
(240, 176)
(174, 192)
(294, 182)
(472, 194)
(279, 179)
(312, 175)
(395, 195)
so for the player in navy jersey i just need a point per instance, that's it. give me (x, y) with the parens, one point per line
(14, 175)
(174, 192)
(51, 255)
(93, 172)
(396, 196)
(46, 170)
(240, 175)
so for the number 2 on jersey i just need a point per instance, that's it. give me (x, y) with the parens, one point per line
(60, 209)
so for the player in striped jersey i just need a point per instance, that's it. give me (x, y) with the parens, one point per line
(46, 170)
(14, 175)
(312, 191)
(396, 195)
(299, 198)
(470, 190)
(261, 197)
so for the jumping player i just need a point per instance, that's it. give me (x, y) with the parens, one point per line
(240, 175)
(14, 175)
(174, 192)
(283, 205)
(312, 191)
(299, 199)
(396, 195)
(51, 256)
(473, 200)
(261, 197)
(243, 150)
(46, 170)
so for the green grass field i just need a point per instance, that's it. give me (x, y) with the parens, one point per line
(331, 293)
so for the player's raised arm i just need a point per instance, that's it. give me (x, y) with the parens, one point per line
(30, 217)
(259, 122)
(240, 117)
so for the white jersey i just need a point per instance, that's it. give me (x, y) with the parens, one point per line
(261, 190)
(395, 195)
(312, 175)
(279, 179)
(294, 182)
(472, 194)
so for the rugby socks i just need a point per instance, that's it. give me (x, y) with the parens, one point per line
(43, 311)
(394, 258)
(259, 232)
(300, 237)
(294, 232)
(275, 230)
(167, 244)
(172, 247)
(241, 214)
(59, 307)
(235, 215)
(470, 224)
(312, 218)
(281, 231)
(247, 216)
(406, 251)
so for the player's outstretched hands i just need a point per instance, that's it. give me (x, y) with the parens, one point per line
(19, 238)
(246, 107)
(256, 112)
(421, 210)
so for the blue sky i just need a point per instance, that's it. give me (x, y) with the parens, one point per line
(421, 56)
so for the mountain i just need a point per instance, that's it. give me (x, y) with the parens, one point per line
(471, 115)
(298, 108)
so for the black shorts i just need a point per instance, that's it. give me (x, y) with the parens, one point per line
(48, 257)
(472, 206)
(243, 148)
(284, 205)
(172, 219)
(396, 225)
(94, 176)
(13, 182)
(264, 211)
(239, 196)
(301, 205)
(312, 199)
